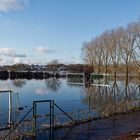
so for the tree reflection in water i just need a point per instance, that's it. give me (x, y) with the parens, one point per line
(19, 83)
(118, 98)
(53, 84)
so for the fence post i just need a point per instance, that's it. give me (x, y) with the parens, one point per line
(52, 117)
(34, 119)
(50, 134)
(52, 113)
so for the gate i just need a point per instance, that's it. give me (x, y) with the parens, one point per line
(35, 125)
(35, 115)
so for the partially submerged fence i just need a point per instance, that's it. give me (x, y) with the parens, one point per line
(91, 78)
(46, 116)
(34, 122)
(75, 78)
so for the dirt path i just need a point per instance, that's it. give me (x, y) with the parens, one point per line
(103, 129)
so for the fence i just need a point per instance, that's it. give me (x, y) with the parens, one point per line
(43, 117)
(47, 115)
(35, 122)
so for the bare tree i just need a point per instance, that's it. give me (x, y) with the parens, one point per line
(134, 30)
(115, 49)
(88, 54)
(105, 42)
(99, 55)
(128, 39)
(53, 66)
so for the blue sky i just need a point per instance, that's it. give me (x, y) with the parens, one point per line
(37, 31)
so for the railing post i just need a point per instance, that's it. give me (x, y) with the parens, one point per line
(52, 113)
(52, 107)
(50, 134)
(34, 119)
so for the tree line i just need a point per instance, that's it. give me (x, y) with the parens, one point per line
(114, 48)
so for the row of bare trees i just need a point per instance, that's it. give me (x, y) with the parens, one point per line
(120, 46)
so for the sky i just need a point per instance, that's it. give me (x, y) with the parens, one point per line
(38, 31)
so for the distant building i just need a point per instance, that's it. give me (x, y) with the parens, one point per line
(62, 70)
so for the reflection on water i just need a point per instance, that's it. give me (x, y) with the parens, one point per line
(53, 84)
(19, 83)
(119, 97)
(76, 78)
(97, 79)
(79, 100)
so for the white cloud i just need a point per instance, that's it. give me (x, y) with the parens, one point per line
(17, 60)
(35, 61)
(10, 56)
(6, 86)
(4, 62)
(10, 52)
(7, 5)
(6, 51)
(17, 55)
(41, 91)
(42, 49)
(1, 61)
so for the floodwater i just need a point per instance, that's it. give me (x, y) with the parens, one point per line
(77, 99)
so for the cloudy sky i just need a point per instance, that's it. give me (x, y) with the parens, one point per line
(37, 31)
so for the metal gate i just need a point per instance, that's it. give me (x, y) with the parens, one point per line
(34, 118)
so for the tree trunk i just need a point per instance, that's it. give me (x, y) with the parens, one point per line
(106, 70)
(115, 74)
(127, 72)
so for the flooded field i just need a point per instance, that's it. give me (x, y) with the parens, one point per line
(81, 101)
